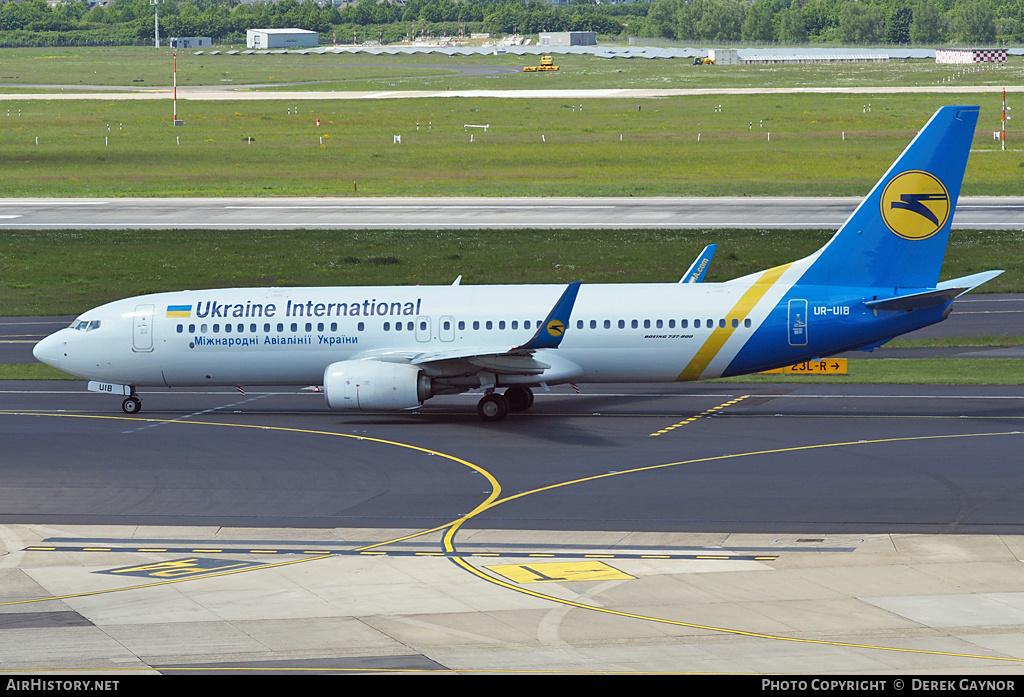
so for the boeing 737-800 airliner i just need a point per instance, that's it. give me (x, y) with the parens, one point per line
(383, 348)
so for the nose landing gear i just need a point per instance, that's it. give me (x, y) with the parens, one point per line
(132, 405)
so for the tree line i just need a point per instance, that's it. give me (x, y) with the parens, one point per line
(863, 22)
(34, 23)
(858, 22)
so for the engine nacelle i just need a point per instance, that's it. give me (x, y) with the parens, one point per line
(369, 385)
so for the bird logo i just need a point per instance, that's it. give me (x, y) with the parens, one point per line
(915, 205)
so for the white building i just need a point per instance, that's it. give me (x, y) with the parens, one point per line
(567, 38)
(191, 42)
(281, 38)
(970, 55)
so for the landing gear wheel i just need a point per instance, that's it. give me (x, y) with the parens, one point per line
(492, 407)
(132, 405)
(519, 398)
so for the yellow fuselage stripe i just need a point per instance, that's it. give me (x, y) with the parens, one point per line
(700, 361)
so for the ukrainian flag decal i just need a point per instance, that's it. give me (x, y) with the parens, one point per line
(179, 310)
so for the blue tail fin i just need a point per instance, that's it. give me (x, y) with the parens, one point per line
(897, 236)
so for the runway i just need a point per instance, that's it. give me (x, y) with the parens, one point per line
(990, 213)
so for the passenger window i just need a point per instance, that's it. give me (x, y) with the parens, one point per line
(319, 326)
(515, 324)
(408, 326)
(266, 328)
(721, 324)
(683, 324)
(671, 324)
(280, 327)
(295, 327)
(203, 329)
(462, 325)
(398, 326)
(362, 326)
(622, 324)
(593, 324)
(447, 325)
(607, 324)
(696, 323)
(216, 329)
(334, 326)
(252, 328)
(735, 323)
(746, 323)
(423, 326)
(180, 329)
(710, 323)
(634, 324)
(227, 328)
(658, 325)
(387, 326)
(309, 326)
(579, 324)
(526, 324)
(191, 328)
(488, 324)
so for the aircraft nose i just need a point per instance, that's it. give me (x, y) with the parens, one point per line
(48, 351)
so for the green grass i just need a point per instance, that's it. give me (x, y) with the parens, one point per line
(66, 272)
(136, 66)
(956, 341)
(910, 371)
(32, 371)
(580, 154)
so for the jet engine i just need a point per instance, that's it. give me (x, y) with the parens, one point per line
(369, 385)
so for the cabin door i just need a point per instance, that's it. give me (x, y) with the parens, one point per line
(142, 328)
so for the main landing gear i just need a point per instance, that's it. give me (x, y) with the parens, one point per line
(495, 407)
(132, 405)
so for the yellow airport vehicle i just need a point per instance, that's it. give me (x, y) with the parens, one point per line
(703, 61)
(546, 63)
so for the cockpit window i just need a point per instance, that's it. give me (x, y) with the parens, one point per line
(85, 325)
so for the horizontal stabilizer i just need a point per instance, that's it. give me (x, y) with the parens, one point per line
(943, 293)
(916, 300)
(969, 282)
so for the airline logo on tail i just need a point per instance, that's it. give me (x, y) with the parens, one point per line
(556, 328)
(915, 205)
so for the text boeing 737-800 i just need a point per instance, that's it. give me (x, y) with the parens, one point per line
(382, 348)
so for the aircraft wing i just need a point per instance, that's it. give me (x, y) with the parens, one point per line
(502, 360)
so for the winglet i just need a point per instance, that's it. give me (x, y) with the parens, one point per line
(697, 270)
(551, 331)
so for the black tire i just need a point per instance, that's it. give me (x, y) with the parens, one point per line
(492, 407)
(519, 398)
(132, 405)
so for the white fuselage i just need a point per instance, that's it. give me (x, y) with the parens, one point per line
(620, 332)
